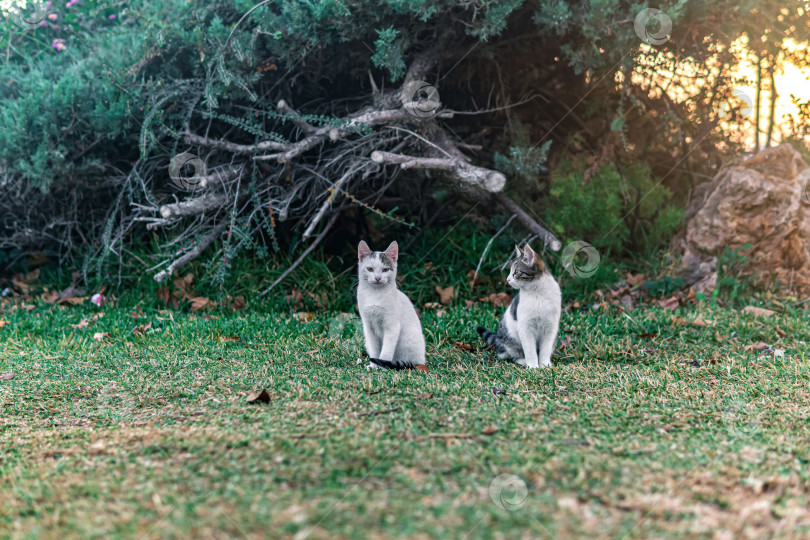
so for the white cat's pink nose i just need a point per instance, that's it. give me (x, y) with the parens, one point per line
(378, 278)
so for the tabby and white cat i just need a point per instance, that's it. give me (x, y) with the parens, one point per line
(527, 332)
(390, 324)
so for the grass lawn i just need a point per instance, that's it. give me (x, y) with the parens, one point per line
(647, 426)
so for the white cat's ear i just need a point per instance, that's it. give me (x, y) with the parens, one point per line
(363, 250)
(529, 256)
(393, 251)
(518, 252)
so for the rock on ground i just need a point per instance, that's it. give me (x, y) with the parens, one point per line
(763, 201)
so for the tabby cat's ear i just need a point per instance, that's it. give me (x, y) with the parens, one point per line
(529, 256)
(518, 252)
(393, 251)
(363, 250)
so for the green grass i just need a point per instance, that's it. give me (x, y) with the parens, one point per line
(630, 435)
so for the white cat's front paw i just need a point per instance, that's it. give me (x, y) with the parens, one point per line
(372, 365)
(520, 361)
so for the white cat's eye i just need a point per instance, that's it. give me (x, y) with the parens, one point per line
(370, 269)
(386, 269)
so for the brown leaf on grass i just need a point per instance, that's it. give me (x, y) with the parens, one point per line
(49, 296)
(71, 295)
(489, 430)
(470, 303)
(295, 298)
(433, 305)
(778, 330)
(200, 302)
(756, 346)
(141, 330)
(236, 303)
(463, 346)
(259, 397)
(498, 299)
(475, 280)
(701, 322)
(223, 339)
(425, 395)
(73, 300)
(422, 367)
(634, 280)
(183, 285)
(7, 376)
(447, 294)
(3, 322)
(670, 303)
(758, 311)
(164, 294)
(303, 316)
(84, 323)
(647, 336)
(99, 336)
(24, 282)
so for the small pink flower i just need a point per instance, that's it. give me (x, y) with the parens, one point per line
(71, 3)
(111, 17)
(59, 44)
(52, 17)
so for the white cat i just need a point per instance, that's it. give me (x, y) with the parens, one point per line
(390, 324)
(527, 332)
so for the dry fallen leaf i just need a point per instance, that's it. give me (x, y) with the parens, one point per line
(141, 330)
(259, 397)
(475, 279)
(446, 295)
(3, 322)
(99, 336)
(433, 305)
(756, 346)
(498, 299)
(489, 430)
(421, 367)
(164, 294)
(757, 311)
(303, 316)
(7, 376)
(669, 303)
(228, 338)
(463, 346)
(425, 395)
(49, 297)
(84, 323)
(778, 330)
(200, 302)
(699, 321)
(634, 280)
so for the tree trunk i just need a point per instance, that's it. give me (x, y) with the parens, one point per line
(772, 113)
(758, 102)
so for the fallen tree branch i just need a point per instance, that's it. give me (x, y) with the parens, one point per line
(191, 207)
(328, 203)
(285, 108)
(303, 256)
(232, 147)
(486, 179)
(530, 223)
(192, 253)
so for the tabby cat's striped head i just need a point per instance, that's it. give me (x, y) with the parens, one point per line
(527, 268)
(377, 268)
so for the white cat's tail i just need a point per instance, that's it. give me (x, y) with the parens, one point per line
(393, 364)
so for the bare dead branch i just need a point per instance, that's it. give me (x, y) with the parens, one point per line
(191, 207)
(486, 179)
(529, 222)
(192, 253)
